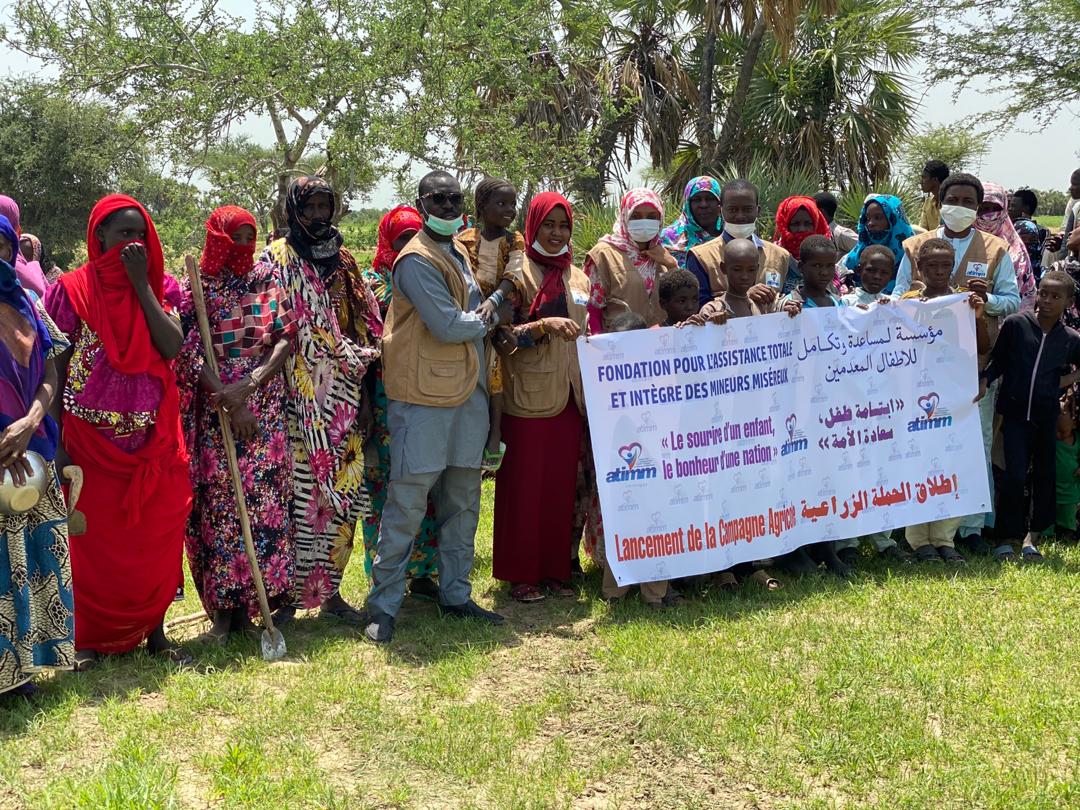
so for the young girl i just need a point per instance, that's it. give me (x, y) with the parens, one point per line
(498, 256)
(882, 222)
(121, 424)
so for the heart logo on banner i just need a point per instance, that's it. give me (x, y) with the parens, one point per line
(929, 404)
(630, 453)
(790, 423)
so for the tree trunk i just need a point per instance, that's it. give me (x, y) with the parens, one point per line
(592, 189)
(705, 125)
(728, 132)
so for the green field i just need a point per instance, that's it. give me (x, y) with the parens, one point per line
(915, 688)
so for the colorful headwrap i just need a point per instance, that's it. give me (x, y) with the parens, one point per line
(220, 251)
(319, 243)
(620, 239)
(1035, 249)
(394, 223)
(997, 223)
(786, 211)
(899, 230)
(685, 232)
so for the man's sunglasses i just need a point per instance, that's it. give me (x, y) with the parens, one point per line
(439, 198)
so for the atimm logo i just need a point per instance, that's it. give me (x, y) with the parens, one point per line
(796, 441)
(635, 466)
(936, 416)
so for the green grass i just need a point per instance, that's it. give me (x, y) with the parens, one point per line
(902, 689)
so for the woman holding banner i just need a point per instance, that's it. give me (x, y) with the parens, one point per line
(543, 407)
(622, 269)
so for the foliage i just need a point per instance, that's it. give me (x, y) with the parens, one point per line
(834, 103)
(958, 147)
(1023, 49)
(840, 101)
(186, 71)
(849, 202)
(57, 158)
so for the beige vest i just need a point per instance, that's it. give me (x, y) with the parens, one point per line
(417, 367)
(625, 287)
(771, 259)
(980, 261)
(537, 381)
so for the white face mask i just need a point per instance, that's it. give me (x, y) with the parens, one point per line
(957, 218)
(643, 230)
(740, 230)
(542, 252)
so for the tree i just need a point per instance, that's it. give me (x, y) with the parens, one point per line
(57, 158)
(959, 148)
(1023, 48)
(833, 101)
(321, 71)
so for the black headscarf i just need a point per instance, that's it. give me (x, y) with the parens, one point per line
(319, 243)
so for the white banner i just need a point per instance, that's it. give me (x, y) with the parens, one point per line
(717, 445)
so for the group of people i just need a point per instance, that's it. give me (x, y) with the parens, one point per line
(366, 402)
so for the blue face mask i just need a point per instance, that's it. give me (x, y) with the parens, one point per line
(443, 227)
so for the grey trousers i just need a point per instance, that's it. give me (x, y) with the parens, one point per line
(456, 493)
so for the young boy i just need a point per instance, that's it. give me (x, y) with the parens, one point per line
(817, 264)
(933, 174)
(1068, 475)
(497, 254)
(876, 267)
(678, 292)
(1031, 350)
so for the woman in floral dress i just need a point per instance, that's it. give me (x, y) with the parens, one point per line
(251, 329)
(395, 230)
(338, 335)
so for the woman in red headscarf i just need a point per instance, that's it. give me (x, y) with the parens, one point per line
(121, 424)
(543, 408)
(251, 330)
(796, 219)
(396, 229)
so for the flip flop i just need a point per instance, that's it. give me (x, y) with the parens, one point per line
(1030, 554)
(556, 588)
(1004, 554)
(527, 593)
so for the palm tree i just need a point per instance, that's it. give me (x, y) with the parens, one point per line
(839, 102)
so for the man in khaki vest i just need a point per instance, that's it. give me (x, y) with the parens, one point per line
(778, 273)
(982, 265)
(437, 412)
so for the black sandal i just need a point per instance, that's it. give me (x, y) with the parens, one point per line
(1030, 554)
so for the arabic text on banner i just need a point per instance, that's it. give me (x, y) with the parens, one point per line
(717, 445)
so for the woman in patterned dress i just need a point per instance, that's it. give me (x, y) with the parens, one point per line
(338, 335)
(395, 230)
(250, 325)
(36, 606)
